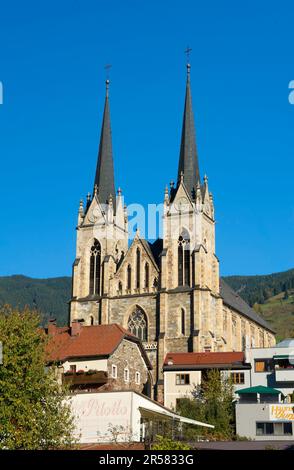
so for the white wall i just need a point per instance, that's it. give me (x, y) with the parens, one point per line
(99, 412)
(268, 379)
(173, 391)
(248, 414)
(98, 364)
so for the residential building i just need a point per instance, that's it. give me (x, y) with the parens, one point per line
(273, 367)
(99, 358)
(184, 371)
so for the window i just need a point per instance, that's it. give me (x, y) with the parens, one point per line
(95, 268)
(263, 365)
(238, 378)
(184, 257)
(276, 429)
(129, 277)
(183, 379)
(73, 368)
(126, 375)
(91, 320)
(138, 378)
(182, 321)
(138, 265)
(146, 275)
(114, 371)
(137, 324)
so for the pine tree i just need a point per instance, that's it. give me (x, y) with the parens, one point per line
(33, 410)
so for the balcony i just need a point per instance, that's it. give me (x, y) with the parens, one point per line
(285, 375)
(82, 378)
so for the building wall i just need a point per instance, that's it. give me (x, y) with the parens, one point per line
(98, 364)
(172, 391)
(268, 379)
(248, 414)
(128, 356)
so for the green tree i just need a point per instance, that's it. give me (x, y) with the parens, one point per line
(33, 410)
(212, 404)
(165, 443)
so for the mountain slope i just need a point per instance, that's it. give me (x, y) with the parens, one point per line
(49, 296)
(260, 288)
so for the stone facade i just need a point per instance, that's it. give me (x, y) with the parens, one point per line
(172, 285)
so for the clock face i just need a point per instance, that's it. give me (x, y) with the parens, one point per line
(182, 204)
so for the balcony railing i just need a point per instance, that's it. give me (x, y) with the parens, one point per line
(284, 374)
(84, 378)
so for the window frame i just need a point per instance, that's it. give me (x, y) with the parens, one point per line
(181, 379)
(113, 368)
(137, 378)
(126, 379)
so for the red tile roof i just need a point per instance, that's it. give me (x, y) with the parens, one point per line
(100, 340)
(203, 358)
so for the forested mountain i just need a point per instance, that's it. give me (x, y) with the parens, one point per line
(257, 289)
(49, 296)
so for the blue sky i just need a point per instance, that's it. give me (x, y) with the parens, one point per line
(52, 69)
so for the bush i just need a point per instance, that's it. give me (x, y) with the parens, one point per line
(165, 443)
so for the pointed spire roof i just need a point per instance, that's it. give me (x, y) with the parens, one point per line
(188, 162)
(104, 178)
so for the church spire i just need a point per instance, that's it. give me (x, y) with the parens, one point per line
(188, 163)
(104, 178)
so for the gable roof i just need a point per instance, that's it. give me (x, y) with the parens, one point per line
(204, 359)
(232, 299)
(90, 341)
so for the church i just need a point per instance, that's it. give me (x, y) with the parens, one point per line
(167, 293)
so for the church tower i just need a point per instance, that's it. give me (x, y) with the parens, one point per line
(102, 236)
(167, 293)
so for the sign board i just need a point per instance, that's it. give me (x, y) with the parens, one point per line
(282, 412)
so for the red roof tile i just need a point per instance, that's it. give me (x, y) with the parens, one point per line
(203, 358)
(100, 340)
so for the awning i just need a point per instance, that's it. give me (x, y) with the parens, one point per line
(167, 416)
(260, 389)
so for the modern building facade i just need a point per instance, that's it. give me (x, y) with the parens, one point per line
(262, 415)
(168, 293)
(273, 367)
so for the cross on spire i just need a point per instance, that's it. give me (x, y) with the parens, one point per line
(187, 52)
(107, 81)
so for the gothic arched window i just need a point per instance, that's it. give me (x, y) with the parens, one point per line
(129, 277)
(184, 257)
(138, 265)
(146, 275)
(137, 324)
(95, 268)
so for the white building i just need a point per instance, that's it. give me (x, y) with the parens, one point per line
(272, 367)
(184, 371)
(128, 415)
(261, 415)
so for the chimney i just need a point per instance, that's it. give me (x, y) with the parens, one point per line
(76, 327)
(52, 328)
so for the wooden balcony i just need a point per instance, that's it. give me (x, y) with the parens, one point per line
(99, 377)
